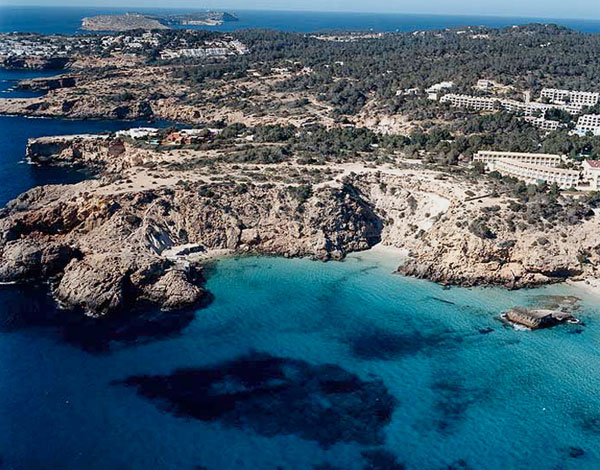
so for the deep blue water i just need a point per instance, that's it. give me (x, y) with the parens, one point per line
(10, 78)
(67, 20)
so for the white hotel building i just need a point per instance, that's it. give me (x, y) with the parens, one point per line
(588, 123)
(591, 173)
(576, 98)
(477, 103)
(544, 124)
(434, 90)
(531, 168)
(490, 158)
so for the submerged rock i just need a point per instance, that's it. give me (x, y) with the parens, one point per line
(379, 344)
(380, 459)
(576, 452)
(460, 464)
(276, 396)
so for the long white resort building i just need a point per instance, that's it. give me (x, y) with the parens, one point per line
(528, 108)
(578, 98)
(478, 103)
(531, 168)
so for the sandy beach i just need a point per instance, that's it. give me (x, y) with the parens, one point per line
(591, 286)
(384, 255)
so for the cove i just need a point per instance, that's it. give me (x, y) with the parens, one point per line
(453, 387)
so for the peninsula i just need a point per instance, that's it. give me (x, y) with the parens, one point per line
(317, 146)
(133, 21)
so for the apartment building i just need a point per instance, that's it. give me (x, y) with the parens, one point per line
(576, 98)
(534, 174)
(439, 87)
(531, 108)
(490, 158)
(477, 103)
(544, 124)
(588, 123)
(528, 109)
(531, 168)
(484, 84)
(434, 90)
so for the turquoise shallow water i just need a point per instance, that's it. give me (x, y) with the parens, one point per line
(467, 391)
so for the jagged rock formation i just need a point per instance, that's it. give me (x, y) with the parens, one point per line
(105, 252)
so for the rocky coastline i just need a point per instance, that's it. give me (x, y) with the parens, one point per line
(107, 244)
(35, 63)
(87, 91)
(103, 251)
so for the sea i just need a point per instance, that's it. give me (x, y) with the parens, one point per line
(292, 364)
(67, 20)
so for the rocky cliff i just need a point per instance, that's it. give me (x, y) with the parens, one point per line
(446, 247)
(105, 253)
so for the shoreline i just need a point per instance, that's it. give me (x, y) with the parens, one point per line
(590, 286)
(385, 256)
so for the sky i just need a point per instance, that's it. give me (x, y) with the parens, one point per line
(589, 9)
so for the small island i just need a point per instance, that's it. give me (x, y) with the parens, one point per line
(133, 21)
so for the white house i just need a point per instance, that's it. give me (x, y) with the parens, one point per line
(434, 90)
(591, 173)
